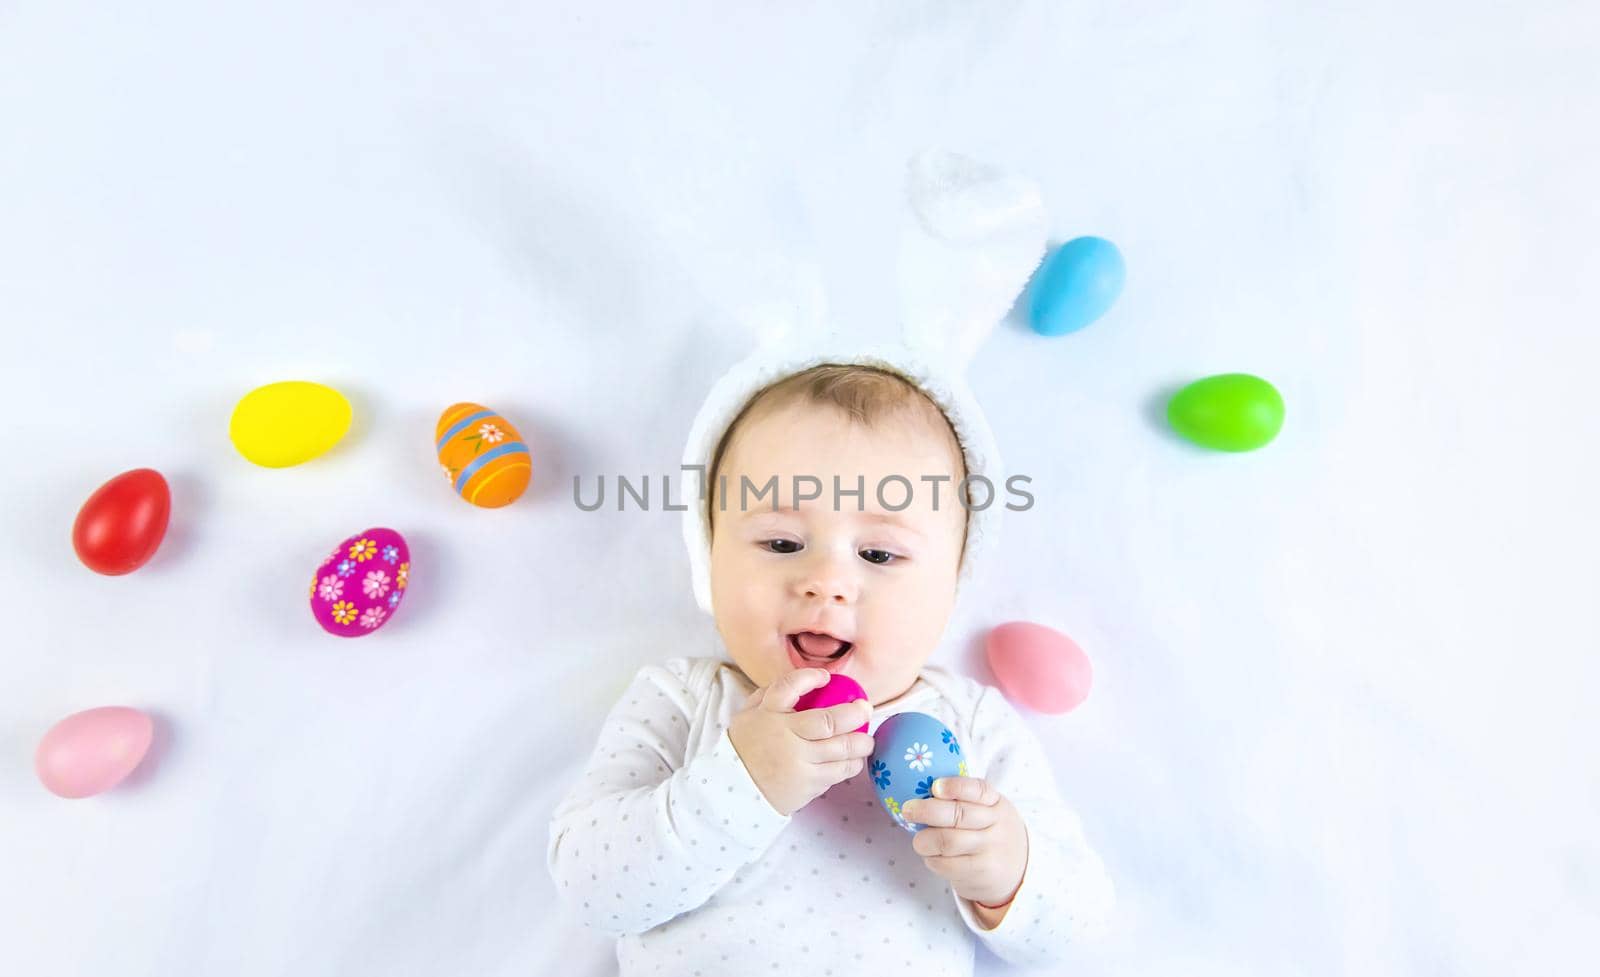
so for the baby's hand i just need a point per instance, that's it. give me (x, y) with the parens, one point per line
(795, 756)
(974, 839)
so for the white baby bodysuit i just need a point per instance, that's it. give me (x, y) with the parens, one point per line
(667, 843)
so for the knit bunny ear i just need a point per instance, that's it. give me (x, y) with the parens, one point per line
(972, 238)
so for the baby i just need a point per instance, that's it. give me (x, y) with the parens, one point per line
(715, 830)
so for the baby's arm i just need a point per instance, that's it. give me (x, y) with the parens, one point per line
(644, 836)
(1066, 895)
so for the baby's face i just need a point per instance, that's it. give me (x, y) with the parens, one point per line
(882, 580)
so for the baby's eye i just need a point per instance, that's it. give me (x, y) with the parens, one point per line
(767, 544)
(878, 557)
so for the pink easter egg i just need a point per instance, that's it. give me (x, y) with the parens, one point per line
(1039, 667)
(357, 589)
(840, 689)
(93, 750)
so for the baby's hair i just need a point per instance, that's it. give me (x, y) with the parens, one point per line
(868, 395)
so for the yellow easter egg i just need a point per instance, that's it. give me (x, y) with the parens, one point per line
(482, 455)
(283, 424)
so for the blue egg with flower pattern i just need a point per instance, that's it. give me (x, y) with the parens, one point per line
(910, 751)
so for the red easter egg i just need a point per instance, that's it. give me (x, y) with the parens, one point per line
(1038, 667)
(123, 523)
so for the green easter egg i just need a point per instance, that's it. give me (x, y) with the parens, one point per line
(1228, 412)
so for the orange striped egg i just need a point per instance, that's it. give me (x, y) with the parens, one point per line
(482, 455)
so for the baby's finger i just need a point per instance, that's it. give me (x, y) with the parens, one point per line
(946, 841)
(787, 689)
(819, 724)
(936, 813)
(952, 867)
(975, 790)
(839, 770)
(849, 746)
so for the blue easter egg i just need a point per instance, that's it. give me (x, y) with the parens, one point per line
(910, 751)
(1076, 285)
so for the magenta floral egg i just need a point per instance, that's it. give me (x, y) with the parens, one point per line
(359, 587)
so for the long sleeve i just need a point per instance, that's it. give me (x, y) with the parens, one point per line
(1066, 895)
(648, 832)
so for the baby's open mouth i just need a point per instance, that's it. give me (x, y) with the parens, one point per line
(814, 647)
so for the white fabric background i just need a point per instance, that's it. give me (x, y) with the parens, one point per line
(1343, 713)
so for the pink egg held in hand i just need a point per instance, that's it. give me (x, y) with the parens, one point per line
(1041, 668)
(840, 689)
(92, 751)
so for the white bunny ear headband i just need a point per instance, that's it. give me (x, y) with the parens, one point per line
(969, 237)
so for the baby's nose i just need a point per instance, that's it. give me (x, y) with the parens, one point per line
(828, 575)
(833, 588)
(829, 592)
